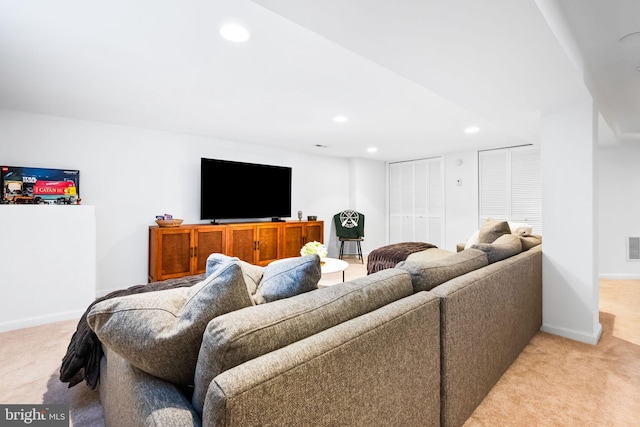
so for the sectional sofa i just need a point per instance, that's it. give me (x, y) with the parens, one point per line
(420, 344)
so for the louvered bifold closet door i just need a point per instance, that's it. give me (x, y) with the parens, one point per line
(510, 187)
(526, 190)
(416, 204)
(401, 201)
(436, 203)
(421, 208)
(494, 184)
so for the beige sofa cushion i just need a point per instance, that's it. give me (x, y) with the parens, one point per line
(430, 254)
(237, 337)
(160, 332)
(503, 247)
(531, 241)
(427, 275)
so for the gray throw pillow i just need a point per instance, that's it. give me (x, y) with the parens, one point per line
(503, 247)
(288, 277)
(252, 274)
(216, 261)
(491, 229)
(161, 332)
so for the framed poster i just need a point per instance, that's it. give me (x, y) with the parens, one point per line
(25, 185)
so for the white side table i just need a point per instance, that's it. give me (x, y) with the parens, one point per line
(333, 265)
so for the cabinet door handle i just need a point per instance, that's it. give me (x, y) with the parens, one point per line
(195, 251)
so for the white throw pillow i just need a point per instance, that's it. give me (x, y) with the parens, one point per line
(520, 228)
(473, 240)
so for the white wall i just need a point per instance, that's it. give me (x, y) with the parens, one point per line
(569, 202)
(368, 196)
(619, 209)
(131, 174)
(47, 263)
(461, 201)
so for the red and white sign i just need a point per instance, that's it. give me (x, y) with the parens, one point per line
(53, 188)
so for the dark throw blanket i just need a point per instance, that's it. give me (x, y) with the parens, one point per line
(388, 256)
(82, 361)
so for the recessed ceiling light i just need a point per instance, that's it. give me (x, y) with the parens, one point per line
(340, 119)
(472, 129)
(372, 150)
(235, 33)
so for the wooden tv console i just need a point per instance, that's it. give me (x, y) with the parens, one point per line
(183, 251)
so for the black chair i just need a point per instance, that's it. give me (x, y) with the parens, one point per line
(350, 228)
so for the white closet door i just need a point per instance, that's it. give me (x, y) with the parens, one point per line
(526, 190)
(436, 202)
(421, 208)
(401, 201)
(494, 184)
(510, 186)
(416, 201)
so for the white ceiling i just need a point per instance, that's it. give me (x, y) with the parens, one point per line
(410, 75)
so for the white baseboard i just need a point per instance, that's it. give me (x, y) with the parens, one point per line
(617, 276)
(574, 335)
(28, 322)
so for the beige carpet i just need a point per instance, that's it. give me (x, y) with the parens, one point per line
(559, 382)
(554, 382)
(31, 360)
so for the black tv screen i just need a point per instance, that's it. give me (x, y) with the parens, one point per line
(236, 190)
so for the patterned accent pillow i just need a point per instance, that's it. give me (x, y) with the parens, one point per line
(161, 332)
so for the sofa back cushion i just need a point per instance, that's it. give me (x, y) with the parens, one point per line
(427, 275)
(235, 338)
(503, 247)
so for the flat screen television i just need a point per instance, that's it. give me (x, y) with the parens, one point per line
(237, 190)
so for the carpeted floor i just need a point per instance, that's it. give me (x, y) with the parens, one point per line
(554, 382)
(29, 372)
(559, 382)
